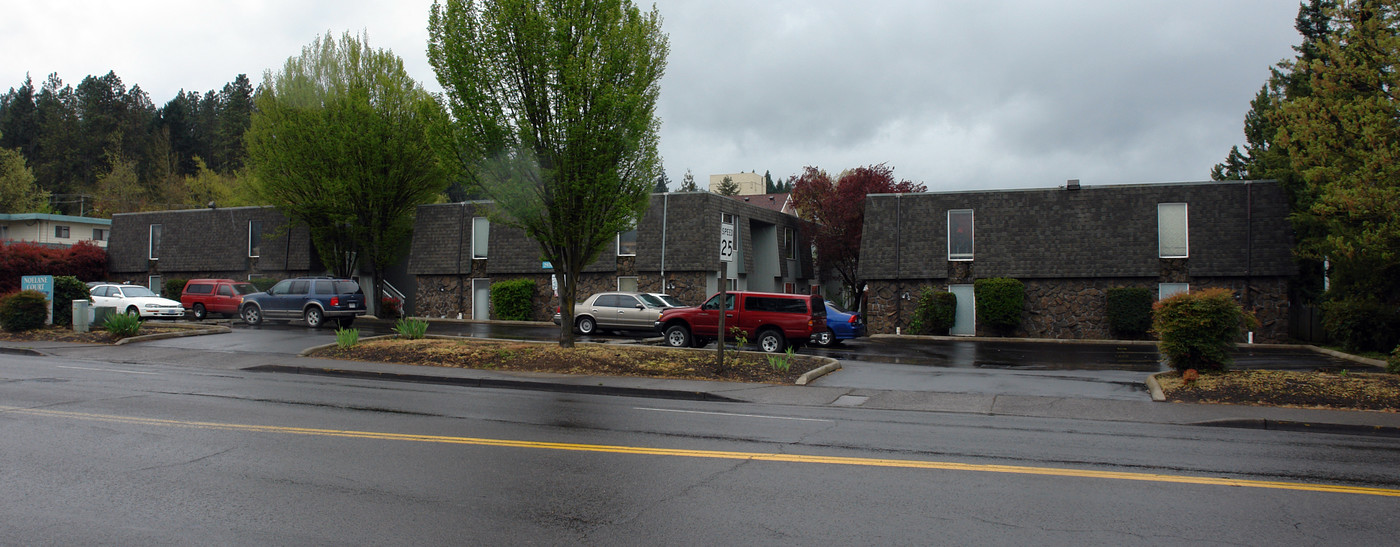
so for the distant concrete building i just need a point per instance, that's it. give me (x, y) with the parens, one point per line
(54, 230)
(750, 184)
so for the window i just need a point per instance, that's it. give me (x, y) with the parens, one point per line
(153, 281)
(713, 302)
(726, 218)
(1167, 290)
(4, 232)
(732, 284)
(226, 290)
(1171, 230)
(299, 286)
(790, 288)
(481, 233)
(254, 238)
(789, 244)
(324, 286)
(627, 243)
(99, 234)
(154, 242)
(960, 234)
(627, 284)
(60, 232)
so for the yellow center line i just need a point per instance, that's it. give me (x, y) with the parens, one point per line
(718, 454)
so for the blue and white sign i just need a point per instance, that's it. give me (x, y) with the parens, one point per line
(43, 284)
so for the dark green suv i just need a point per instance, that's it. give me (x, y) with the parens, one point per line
(315, 299)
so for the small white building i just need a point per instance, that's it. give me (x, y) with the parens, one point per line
(54, 230)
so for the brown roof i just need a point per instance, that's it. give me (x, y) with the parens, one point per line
(772, 202)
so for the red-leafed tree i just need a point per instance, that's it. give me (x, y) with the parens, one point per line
(837, 211)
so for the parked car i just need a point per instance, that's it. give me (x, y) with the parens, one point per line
(615, 311)
(668, 300)
(774, 321)
(222, 296)
(841, 325)
(136, 301)
(315, 299)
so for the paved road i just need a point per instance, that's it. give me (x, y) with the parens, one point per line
(99, 452)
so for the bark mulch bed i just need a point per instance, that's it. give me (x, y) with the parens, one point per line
(55, 333)
(1325, 389)
(584, 359)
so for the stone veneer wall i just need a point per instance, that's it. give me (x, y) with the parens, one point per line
(1077, 308)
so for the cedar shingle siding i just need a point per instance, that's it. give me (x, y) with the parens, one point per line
(209, 242)
(1090, 239)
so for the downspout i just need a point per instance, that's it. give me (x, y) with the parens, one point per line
(461, 223)
(898, 305)
(1249, 243)
(665, 203)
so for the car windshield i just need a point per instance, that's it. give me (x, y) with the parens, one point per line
(669, 300)
(244, 288)
(651, 301)
(133, 292)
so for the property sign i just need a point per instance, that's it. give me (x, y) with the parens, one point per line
(726, 242)
(41, 283)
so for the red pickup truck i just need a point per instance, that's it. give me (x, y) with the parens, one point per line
(774, 321)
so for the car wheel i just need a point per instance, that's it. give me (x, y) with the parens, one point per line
(825, 339)
(677, 336)
(252, 315)
(345, 322)
(199, 312)
(771, 341)
(132, 311)
(314, 317)
(586, 325)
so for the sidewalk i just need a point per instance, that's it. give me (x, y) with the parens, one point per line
(929, 397)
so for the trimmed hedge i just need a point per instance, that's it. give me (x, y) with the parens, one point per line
(24, 310)
(935, 312)
(84, 260)
(1199, 329)
(513, 300)
(173, 288)
(263, 283)
(1000, 301)
(1362, 325)
(1130, 311)
(66, 289)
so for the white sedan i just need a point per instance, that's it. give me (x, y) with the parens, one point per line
(136, 300)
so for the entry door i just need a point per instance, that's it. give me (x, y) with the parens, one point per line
(481, 299)
(965, 320)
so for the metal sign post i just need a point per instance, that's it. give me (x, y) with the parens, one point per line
(726, 255)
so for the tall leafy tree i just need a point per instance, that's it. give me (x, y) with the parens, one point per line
(18, 193)
(342, 142)
(1343, 138)
(555, 102)
(836, 208)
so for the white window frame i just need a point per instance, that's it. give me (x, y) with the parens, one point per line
(153, 240)
(634, 283)
(65, 230)
(483, 224)
(634, 243)
(254, 251)
(1168, 290)
(972, 237)
(153, 283)
(1163, 251)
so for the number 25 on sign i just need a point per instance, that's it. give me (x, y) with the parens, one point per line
(726, 242)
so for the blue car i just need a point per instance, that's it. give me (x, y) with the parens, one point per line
(840, 325)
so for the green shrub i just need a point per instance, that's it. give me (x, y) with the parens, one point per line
(514, 300)
(935, 312)
(24, 310)
(66, 289)
(1361, 325)
(263, 283)
(1392, 363)
(411, 329)
(1130, 311)
(1000, 301)
(347, 338)
(122, 325)
(172, 288)
(1199, 329)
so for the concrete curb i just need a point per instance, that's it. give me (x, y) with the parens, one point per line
(1349, 357)
(1155, 388)
(1311, 427)
(831, 366)
(192, 331)
(22, 351)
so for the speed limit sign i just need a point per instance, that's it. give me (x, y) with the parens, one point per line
(726, 242)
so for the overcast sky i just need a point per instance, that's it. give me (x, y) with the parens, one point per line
(957, 95)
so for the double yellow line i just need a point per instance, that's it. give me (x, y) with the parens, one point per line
(717, 454)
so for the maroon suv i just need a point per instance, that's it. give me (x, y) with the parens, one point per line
(774, 321)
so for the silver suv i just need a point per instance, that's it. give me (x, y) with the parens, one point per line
(616, 311)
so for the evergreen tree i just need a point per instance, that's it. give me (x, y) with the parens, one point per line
(768, 186)
(727, 187)
(688, 183)
(663, 183)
